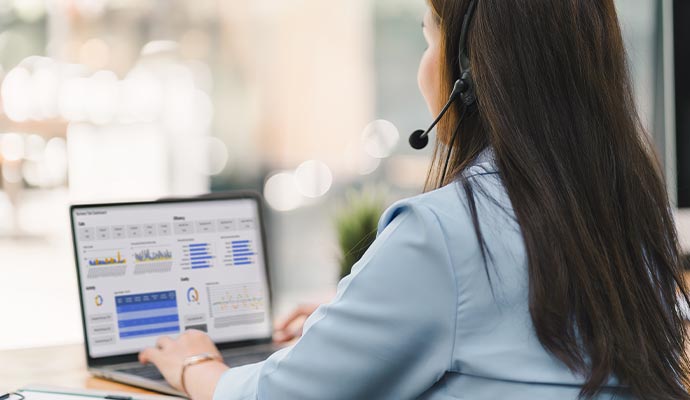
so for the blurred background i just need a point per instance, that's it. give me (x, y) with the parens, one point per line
(301, 100)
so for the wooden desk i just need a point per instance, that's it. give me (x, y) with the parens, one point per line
(63, 366)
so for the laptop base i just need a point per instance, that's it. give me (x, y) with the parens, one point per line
(148, 376)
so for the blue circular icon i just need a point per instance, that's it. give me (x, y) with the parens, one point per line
(192, 295)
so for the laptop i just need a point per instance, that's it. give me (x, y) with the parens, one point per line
(152, 269)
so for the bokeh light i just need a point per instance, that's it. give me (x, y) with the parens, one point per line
(90, 8)
(380, 138)
(369, 165)
(73, 99)
(171, 93)
(357, 161)
(12, 147)
(55, 162)
(30, 10)
(103, 97)
(313, 178)
(15, 94)
(11, 171)
(33, 173)
(217, 155)
(44, 88)
(158, 47)
(35, 147)
(281, 193)
(142, 94)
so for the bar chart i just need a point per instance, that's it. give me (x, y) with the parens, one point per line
(115, 260)
(105, 263)
(198, 255)
(239, 253)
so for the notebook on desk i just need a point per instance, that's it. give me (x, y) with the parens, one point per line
(159, 268)
(41, 392)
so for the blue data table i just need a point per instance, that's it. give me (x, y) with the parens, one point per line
(147, 314)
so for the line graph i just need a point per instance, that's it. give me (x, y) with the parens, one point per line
(225, 300)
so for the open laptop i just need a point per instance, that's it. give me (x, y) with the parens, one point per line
(154, 269)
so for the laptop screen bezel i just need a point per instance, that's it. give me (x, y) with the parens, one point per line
(229, 196)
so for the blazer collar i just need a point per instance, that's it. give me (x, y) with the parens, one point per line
(486, 160)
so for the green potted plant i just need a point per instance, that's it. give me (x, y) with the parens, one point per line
(356, 225)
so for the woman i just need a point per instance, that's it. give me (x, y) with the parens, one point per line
(545, 265)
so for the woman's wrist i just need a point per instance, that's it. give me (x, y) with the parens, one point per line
(200, 380)
(194, 360)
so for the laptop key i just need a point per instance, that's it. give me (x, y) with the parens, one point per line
(244, 359)
(145, 371)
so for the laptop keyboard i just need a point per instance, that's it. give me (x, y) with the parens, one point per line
(235, 360)
(144, 371)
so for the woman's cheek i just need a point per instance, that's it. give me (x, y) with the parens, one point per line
(428, 79)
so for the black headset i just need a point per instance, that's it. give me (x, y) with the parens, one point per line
(464, 88)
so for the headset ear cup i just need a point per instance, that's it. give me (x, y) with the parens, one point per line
(469, 95)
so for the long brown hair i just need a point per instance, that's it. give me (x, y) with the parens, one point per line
(556, 105)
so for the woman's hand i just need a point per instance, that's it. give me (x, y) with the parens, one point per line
(291, 327)
(169, 355)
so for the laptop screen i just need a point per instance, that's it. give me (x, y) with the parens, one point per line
(155, 269)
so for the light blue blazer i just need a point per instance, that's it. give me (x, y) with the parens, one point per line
(417, 317)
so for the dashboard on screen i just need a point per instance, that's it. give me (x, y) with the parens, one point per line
(157, 269)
